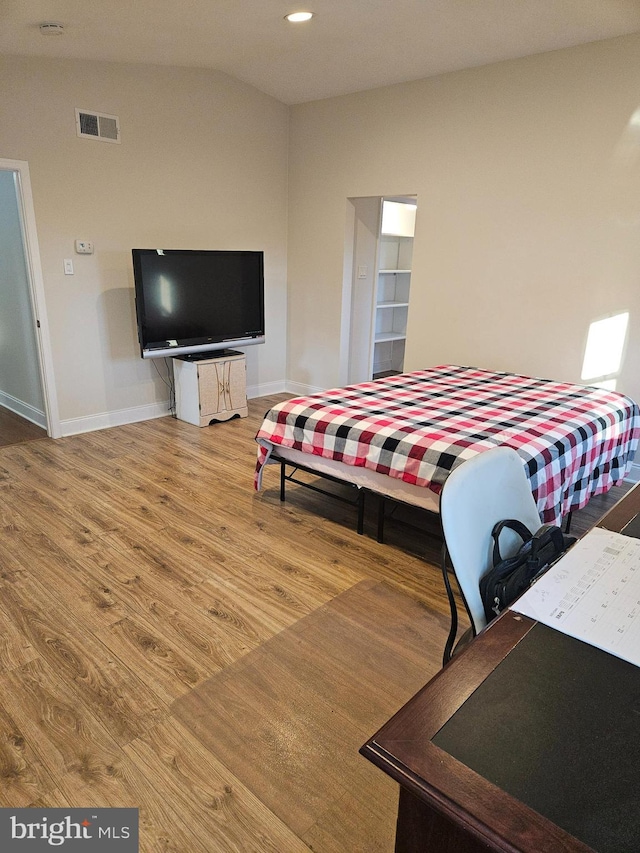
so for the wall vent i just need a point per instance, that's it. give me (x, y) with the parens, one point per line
(99, 126)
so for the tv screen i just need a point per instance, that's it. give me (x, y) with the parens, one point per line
(194, 301)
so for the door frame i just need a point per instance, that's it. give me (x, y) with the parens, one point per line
(363, 213)
(36, 291)
(362, 231)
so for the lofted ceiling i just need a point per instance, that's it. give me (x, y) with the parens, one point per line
(349, 46)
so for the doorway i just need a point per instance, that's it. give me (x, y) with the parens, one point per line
(27, 390)
(376, 285)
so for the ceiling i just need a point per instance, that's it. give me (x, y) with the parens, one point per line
(349, 46)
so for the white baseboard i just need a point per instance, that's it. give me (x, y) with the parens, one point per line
(23, 409)
(74, 426)
(265, 389)
(301, 390)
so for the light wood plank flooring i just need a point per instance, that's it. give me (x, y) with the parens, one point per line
(135, 564)
(15, 430)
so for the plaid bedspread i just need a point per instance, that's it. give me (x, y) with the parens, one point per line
(575, 441)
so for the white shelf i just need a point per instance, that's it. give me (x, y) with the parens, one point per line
(393, 283)
(383, 337)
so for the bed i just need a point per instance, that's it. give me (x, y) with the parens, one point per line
(401, 436)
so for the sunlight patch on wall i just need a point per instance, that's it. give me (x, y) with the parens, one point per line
(604, 350)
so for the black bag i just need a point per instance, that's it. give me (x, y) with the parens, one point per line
(511, 576)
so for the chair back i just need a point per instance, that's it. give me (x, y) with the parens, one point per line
(477, 494)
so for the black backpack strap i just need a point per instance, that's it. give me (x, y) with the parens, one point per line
(511, 524)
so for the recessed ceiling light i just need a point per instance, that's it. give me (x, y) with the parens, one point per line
(297, 17)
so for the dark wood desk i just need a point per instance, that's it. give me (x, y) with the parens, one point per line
(445, 806)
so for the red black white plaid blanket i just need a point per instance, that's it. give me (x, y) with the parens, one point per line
(575, 441)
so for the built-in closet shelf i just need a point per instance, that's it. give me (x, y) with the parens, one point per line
(383, 337)
(393, 283)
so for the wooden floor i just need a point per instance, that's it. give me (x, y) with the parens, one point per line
(15, 430)
(136, 563)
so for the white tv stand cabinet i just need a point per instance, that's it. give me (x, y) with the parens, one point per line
(213, 388)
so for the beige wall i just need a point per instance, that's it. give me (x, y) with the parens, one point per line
(202, 164)
(527, 176)
(528, 182)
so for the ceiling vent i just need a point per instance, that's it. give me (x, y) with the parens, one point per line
(99, 126)
(49, 28)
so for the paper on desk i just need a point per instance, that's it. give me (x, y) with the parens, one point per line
(592, 593)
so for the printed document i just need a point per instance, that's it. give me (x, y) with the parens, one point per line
(593, 594)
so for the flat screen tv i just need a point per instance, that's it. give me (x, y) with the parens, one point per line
(195, 301)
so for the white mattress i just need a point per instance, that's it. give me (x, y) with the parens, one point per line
(381, 484)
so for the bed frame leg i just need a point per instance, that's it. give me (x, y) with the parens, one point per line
(381, 511)
(282, 480)
(567, 523)
(360, 505)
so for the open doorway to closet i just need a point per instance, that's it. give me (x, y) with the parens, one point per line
(377, 284)
(26, 379)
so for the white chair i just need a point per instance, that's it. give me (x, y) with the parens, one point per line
(476, 495)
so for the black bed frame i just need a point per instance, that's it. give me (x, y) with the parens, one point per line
(360, 496)
(358, 501)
